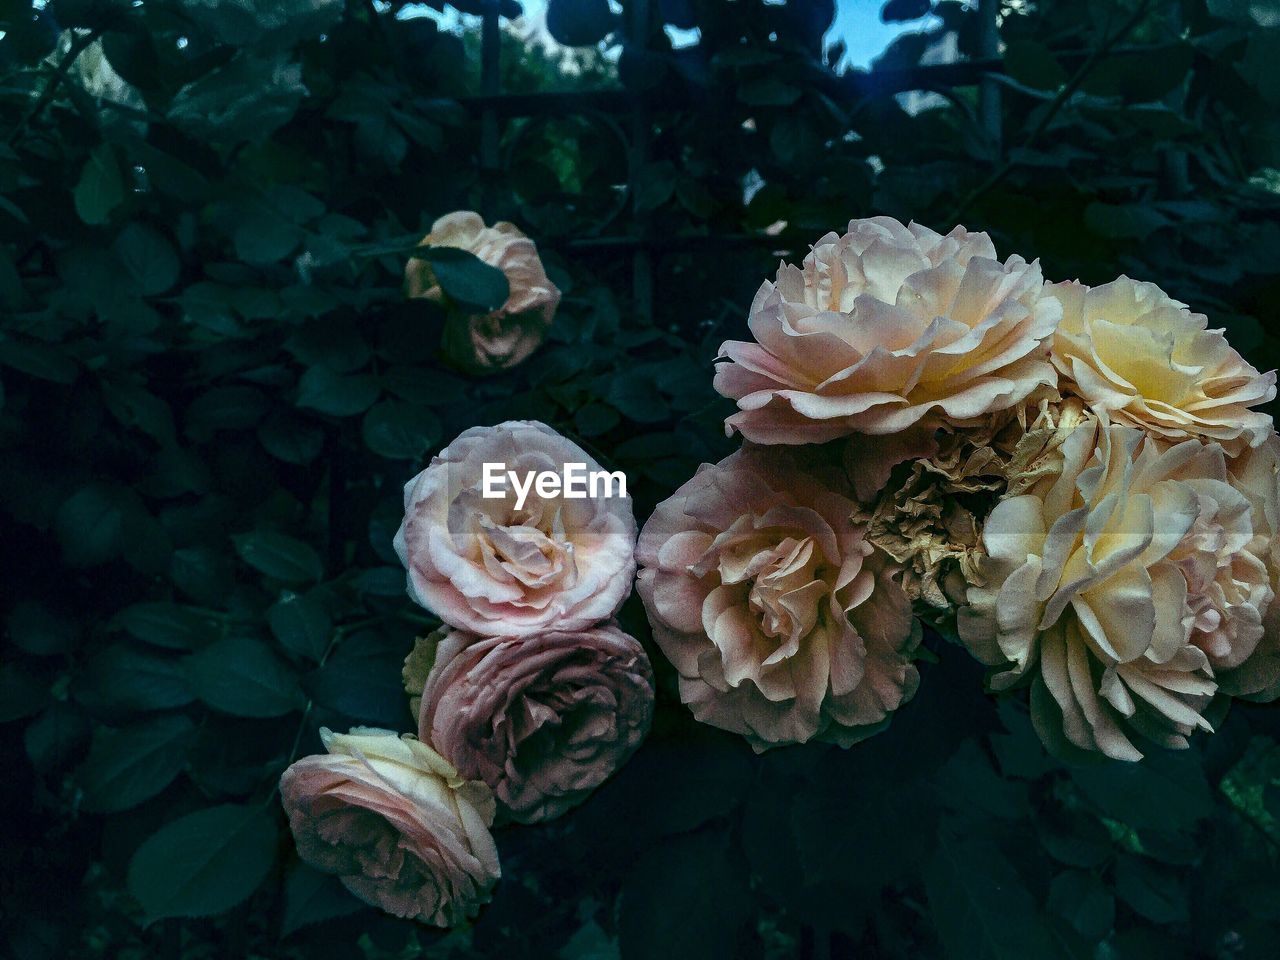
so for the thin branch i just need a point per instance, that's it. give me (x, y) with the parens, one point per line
(78, 46)
(1051, 110)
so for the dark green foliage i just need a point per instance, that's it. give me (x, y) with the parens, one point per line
(212, 392)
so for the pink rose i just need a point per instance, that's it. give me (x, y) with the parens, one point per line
(507, 336)
(397, 824)
(883, 326)
(543, 720)
(502, 567)
(783, 622)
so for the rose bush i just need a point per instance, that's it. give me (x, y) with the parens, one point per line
(485, 565)
(883, 325)
(543, 720)
(396, 823)
(784, 624)
(502, 338)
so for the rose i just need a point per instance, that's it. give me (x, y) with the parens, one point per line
(544, 719)
(883, 326)
(782, 621)
(1129, 349)
(1256, 474)
(504, 337)
(485, 565)
(397, 824)
(1116, 583)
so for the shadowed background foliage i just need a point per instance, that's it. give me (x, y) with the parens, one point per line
(213, 389)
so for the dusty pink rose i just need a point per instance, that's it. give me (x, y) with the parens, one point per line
(782, 621)
(507, 336)
(397, 824)
(493, 567)
(883, 326)
(544, 719)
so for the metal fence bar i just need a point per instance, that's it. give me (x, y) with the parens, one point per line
(641, 137)
(490, 84)
(988, 86)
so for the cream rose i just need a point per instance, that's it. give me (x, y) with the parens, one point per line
(505, 337)
(882, 326)
(1256, 474)
(544, 719)
(397, 824)
(1118, 584)
(782, 621)
(1129, 349)
(486, 565)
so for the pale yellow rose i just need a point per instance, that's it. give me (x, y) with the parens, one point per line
(1131, 350)
(883, 326)
(1118, 584)
(507, 336)
(396, 823)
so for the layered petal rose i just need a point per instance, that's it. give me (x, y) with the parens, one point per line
(544, 719)
(486, 565)
(396, 823)
(1131, 350)
(882, 326)
(507, 336)
(1256, 474)
(784, 624)
(1118, 584)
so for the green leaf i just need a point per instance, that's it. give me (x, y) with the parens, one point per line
(100, 188)
(1084, 902)
(1153, 892)
(39, 360)
(400, 431)
(1123, 791)
(313, 897)
(701, 906)
(167, 624)
(980, 905)
(595, 419)
(337, 394)
(135, 406)
(204, 863)
(22, 693)
(247, 98)
(279, 555)
(52, 738)
(768, 92)
(41, 631)
(134, 763)
(466, 278)
(288, 437)
(124, 679)
(1128, 220)
(301, 625)
(1033, 64)
(90, 525)
(241, 676)
(148, 257)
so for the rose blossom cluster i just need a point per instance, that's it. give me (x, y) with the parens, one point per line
(1075, 478)
(527, 698)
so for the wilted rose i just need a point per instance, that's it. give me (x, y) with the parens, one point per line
(782, 621)
(543, 719)
(1118, 584)
(486, 565)
(507, 336)
(396, 823)
(1131, 350)
(883, 326)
